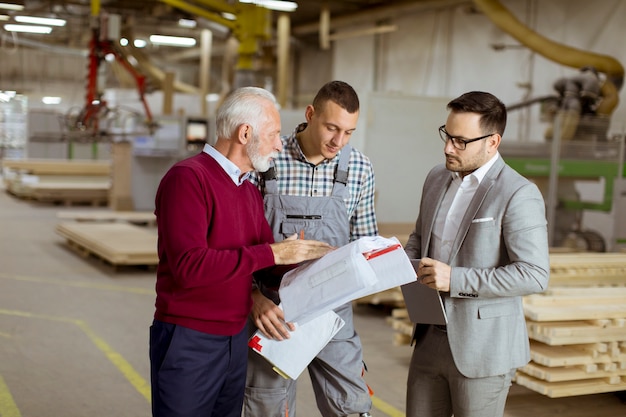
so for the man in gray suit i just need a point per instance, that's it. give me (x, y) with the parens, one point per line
(482, 238)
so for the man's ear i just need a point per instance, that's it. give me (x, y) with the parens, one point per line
(244, 133)
(308, 113)
(494, 140)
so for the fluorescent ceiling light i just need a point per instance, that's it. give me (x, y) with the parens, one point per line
(40, 20)
(4, 17)
(187, 23)
(28, 29)
(11, 6)
(138, 43)
(51, 100)
(172, 40)
(229, 16)
(6, 96)
(281, 6)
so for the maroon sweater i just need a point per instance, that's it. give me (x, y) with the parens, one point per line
(212, 237)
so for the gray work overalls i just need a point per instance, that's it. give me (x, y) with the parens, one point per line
(336, 372)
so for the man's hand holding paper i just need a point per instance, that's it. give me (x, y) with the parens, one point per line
(269, 318)
(343, 275)
(293, 250)
(290, 357)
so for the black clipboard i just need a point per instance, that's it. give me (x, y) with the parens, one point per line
(423, 304)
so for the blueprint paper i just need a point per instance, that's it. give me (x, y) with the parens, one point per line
(393, 269)
(291, 356)
(344, 275)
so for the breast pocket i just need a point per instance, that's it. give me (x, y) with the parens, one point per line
(301, 225)
(481, 236)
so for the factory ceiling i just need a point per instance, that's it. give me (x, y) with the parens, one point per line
(140, 18)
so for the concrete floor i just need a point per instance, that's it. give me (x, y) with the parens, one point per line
(74, 335)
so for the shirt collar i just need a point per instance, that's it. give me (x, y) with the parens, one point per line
(480, 173)
(227, 165)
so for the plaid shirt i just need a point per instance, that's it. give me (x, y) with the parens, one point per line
(297, 176)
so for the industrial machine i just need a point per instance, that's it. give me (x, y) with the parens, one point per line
(577, 146)
(601, 163)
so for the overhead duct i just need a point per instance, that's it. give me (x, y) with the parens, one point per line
(559, 53)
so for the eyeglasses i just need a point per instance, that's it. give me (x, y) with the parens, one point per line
(458, 143)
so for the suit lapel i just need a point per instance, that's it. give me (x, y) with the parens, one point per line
(436, 190)
(484, 187)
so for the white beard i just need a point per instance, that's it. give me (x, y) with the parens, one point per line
(259, 162)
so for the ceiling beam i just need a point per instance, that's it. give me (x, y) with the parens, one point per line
(377, 14)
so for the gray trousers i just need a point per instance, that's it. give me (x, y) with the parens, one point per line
(436, 388)
(336, 376)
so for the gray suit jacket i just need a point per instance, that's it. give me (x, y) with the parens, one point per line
(500, 254)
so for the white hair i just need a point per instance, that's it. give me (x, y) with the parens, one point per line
(243, 105)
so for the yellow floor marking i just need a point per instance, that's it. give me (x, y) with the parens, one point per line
(388, 409)
(7, 405)
(124, 367)
(136, 290)
(120, 363)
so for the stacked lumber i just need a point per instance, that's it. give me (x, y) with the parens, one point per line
(577, 328)
(58, 180)
(116, 243)
(400, 322)
(587, 269)
(391, 298)
(146, 218)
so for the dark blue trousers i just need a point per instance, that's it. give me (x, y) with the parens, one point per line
(194, 374)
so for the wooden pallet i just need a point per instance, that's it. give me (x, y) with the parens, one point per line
(68, 193)
(559, 333)
(135, 217)
(40, 166)
(578, 327)
(571, 373)
(591, 356)
(391, 298)
(400, 322)
(570, 388)
(58, 180)
(587, 269)
(116, 243)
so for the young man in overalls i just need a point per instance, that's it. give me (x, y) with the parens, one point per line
(322, 188)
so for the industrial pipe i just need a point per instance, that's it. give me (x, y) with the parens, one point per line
(559, 53)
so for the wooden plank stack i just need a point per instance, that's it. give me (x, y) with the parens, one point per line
(140, 218)
(577, 328)
(116, 243)
(58, 180)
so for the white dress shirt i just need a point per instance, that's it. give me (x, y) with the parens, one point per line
(452, 209)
